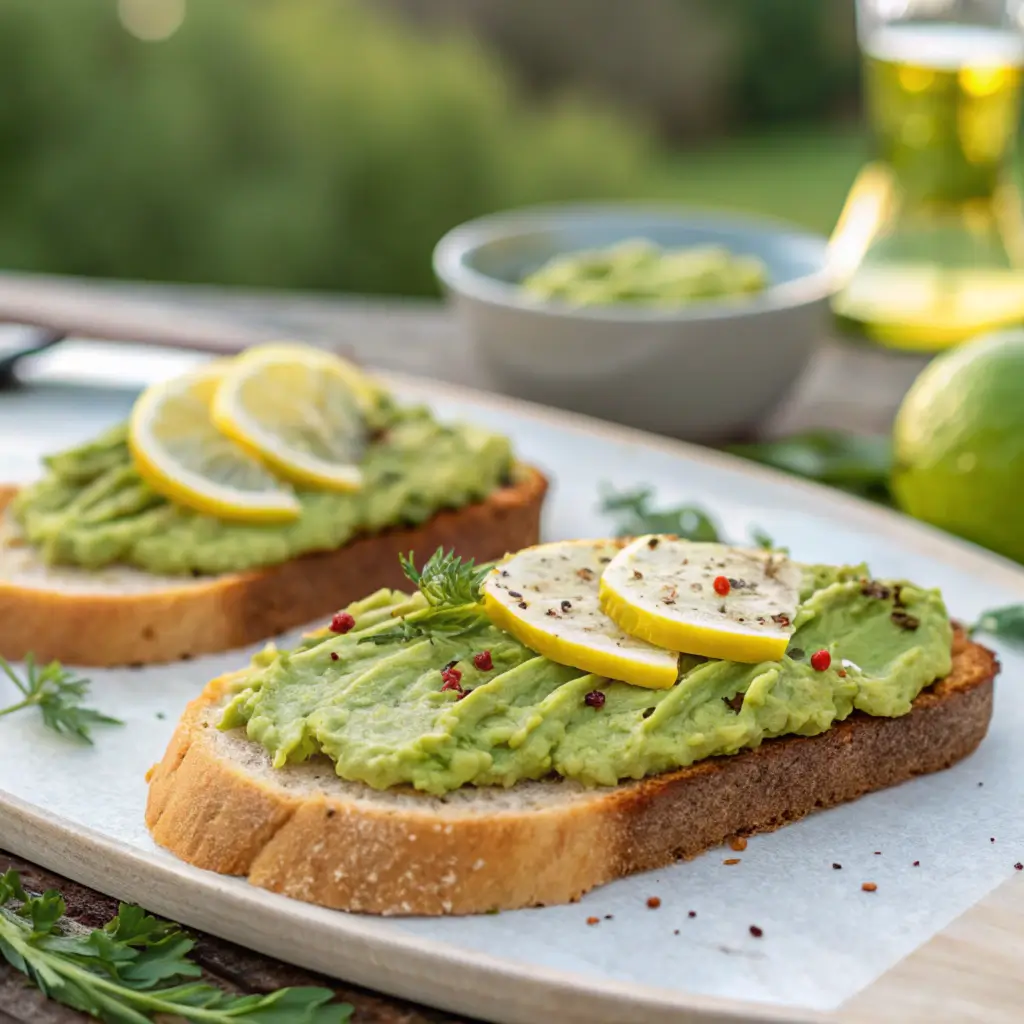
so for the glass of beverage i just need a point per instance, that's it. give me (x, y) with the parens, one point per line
(930, 244)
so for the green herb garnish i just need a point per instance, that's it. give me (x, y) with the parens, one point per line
(439, 624)
(691, 522)
(58, 694)
(134, 968)
(1006, 623)
(854, 463)
(451, 588)
(637, 516)
(445, 580)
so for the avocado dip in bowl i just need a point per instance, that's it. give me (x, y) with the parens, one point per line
(688, 323)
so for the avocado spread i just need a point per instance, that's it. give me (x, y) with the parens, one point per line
(91, 509)
(436, 712)
(640, 272)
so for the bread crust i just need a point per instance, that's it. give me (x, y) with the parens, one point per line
(215, 614)
(343, 846)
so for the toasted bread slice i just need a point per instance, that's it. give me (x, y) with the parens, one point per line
(216, 802)
(122, 616)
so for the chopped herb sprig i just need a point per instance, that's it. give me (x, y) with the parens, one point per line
(858, 464)
(134, 968)
(445, 580)
(637, 516)
(58, 694)
(451, 588)
(439, 624)
(1006, 623)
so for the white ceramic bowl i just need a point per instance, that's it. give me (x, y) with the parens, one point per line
(711, 370)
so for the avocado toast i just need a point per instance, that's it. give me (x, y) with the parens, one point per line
(450, 752)
(173, 535)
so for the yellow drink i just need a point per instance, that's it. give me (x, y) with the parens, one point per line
(931, 237)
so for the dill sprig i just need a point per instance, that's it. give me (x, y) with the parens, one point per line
(445, 579)
(134, 968)
(440, 624)
(451, 588)
(58, 694)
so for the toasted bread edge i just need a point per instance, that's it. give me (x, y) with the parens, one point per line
(423, 856)
(216, 614)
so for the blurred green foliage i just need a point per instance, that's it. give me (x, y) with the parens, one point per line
(797, 60)
(305, 143)
(697, 68)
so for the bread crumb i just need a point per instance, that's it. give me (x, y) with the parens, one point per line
(653, 903)
(593, 920)
(731, 860)
(869, 886)
(737, 843)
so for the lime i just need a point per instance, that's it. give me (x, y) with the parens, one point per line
(958, 443)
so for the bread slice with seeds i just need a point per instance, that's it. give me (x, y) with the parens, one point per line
(216, 802)
(123, 616)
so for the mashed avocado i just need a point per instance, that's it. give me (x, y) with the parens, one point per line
(638, 271)
(91, 509)
(380, 713)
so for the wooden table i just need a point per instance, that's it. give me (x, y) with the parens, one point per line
(850, 388)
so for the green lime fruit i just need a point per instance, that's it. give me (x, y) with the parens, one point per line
(958, 443)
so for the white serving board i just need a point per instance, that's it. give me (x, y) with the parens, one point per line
(80, 810)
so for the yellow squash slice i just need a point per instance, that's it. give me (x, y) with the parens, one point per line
(547, 598)
(663, 590)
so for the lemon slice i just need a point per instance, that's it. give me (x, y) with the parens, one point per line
(547, 598)
(180, 453)
(662, 590)
(301, 410)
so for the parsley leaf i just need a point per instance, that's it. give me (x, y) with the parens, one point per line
(636, 516)
(445, 579)
(58, 694)
(691, 522)
(1006, 623)
(120, 973)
